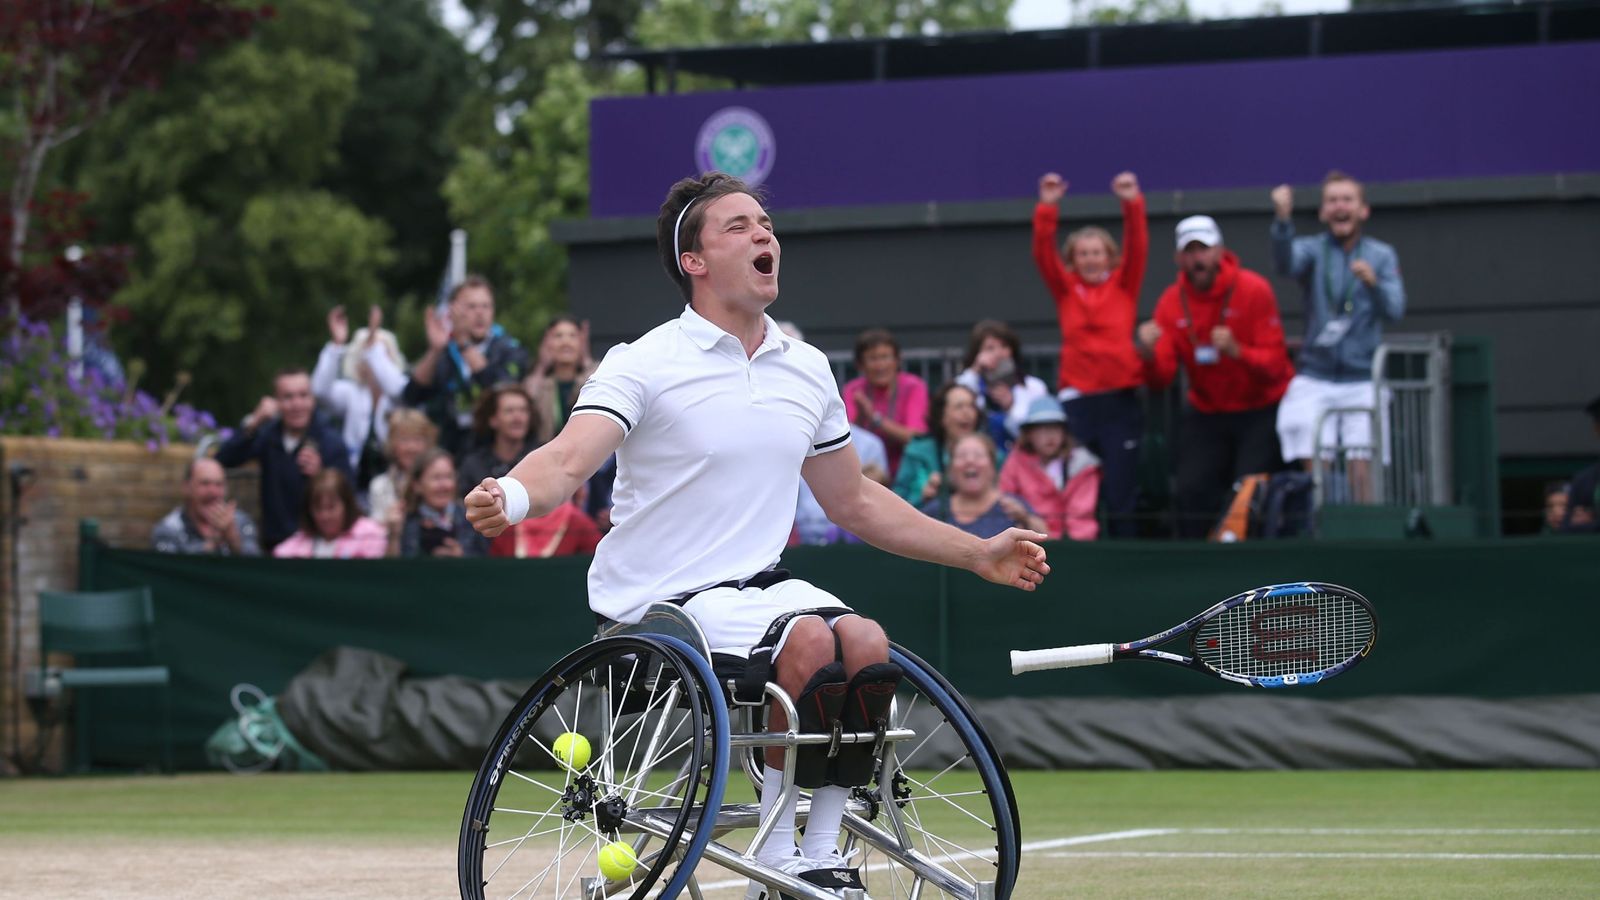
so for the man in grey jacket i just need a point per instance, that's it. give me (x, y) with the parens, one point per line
(1352, 286)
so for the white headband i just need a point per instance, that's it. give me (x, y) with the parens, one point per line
(677, 255)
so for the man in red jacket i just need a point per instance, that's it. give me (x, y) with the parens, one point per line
(1220, 320)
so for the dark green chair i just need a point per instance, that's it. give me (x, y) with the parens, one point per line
(119, 625)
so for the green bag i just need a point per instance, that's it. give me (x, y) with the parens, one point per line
(258, 740)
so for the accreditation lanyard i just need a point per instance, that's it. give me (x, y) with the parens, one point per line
(1346, 303)
(1194, 330)
(894, 394)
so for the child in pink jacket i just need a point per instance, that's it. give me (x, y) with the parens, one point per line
(1055, 476)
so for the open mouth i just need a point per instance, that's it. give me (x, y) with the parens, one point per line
(764, 263)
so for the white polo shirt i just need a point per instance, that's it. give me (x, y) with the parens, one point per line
(709, 467)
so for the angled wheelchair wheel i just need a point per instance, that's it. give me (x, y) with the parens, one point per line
(657, 740)
(941, 817)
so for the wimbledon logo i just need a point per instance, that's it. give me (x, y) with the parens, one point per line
(739, 142)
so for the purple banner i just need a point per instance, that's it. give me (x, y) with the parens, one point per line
(1387, 117)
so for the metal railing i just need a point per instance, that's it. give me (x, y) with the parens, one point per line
(1407, 461)
(936, 365)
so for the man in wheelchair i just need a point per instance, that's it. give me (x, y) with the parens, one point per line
(714, 417)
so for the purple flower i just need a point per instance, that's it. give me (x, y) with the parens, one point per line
(54, 431)
(151, 446)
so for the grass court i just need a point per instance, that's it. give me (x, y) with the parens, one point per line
(1085, 834)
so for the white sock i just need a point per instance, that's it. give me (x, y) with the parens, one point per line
(780, 844)
(822, 826)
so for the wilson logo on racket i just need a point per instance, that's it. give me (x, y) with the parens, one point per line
(1281, 635)
(1269, 627)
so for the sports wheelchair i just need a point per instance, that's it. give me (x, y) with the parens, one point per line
(938, 819)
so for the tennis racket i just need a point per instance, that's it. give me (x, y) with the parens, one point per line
(1280, 635)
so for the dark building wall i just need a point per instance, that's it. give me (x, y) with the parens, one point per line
(1516, 260)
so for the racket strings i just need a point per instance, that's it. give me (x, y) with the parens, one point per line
(1293, 634)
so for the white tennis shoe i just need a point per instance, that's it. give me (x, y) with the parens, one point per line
(832, 873)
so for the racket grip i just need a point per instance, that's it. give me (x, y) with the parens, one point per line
(1060, 657)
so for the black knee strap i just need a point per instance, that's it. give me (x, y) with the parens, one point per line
(817, 709)
(866, 708)
(750, 688)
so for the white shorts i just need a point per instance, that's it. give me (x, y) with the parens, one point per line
(1303, 405)
(734, 620)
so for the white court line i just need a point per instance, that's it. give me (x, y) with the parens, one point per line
(1380, 831)
(1131, 834)
(1106, 854)
(1097, 838)
(1035, 846)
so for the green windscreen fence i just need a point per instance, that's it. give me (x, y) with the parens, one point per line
(1480, 618)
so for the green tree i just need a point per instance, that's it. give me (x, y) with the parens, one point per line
(214, 181)
(396, 148)
(1101, 12)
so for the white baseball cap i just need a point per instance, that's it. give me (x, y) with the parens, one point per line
(1199, 228)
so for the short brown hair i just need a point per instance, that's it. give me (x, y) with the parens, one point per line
(699, 192)
(992, 328)
(1085, 233)
(941, 399)
(407, 420)
(874, 337)
(329, 481)
(489, 406)
(414, 478)
(471, 281)
(1334, 175)
(988, 447)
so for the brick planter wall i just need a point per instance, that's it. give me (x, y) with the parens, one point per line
(125, 487)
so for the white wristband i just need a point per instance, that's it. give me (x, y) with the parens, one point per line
(516, 498)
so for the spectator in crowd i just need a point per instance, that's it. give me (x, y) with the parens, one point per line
(467, 354)
(1555, 507)
(1583, 494)
(292, 444)
(411, 432)
(953, 414)
(504, 424)
(1053, 474)
(331, 524)
(991, 371)
(436, 524)
(974, 502)
(886, 401)
(1096, 291)
(1351, 285)
(565, 531)
(360, 382)
(207, 521)
(564, 364)
(1220, 321)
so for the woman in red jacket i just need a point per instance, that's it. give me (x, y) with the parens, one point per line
(1096, 290)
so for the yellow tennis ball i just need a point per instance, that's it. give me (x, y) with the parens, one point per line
(617, 861)
(572, 749)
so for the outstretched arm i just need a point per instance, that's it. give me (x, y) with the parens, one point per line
(1135, 233)
(1045, 218)
(550, 474)
(873, 512)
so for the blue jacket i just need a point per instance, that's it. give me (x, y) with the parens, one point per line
(282, 486)
(1303, 259)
